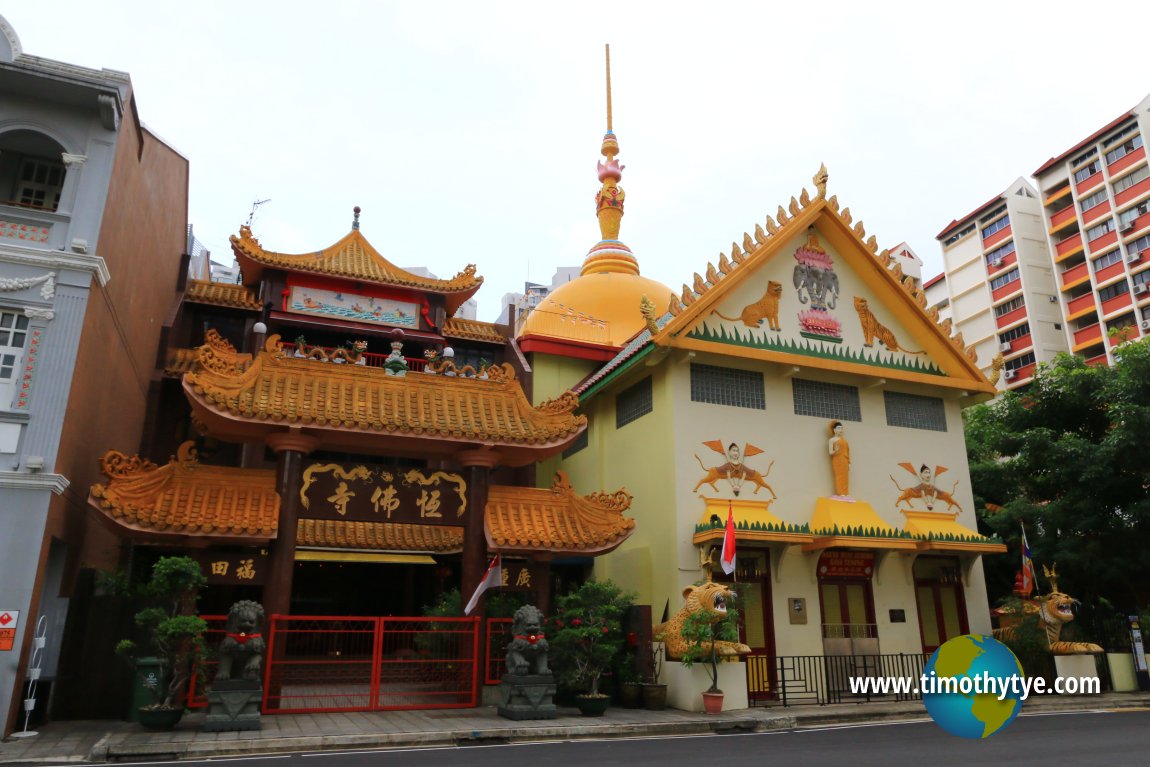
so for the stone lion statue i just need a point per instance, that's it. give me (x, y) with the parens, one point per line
(527, 650)
(711, 598)
(241, 652)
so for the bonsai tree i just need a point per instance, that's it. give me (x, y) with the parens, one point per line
(174, 634)
(586, 634)
(702, 635)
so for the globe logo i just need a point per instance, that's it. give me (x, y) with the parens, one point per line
(972, 687)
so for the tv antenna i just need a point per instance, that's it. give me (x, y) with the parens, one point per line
(255, 205)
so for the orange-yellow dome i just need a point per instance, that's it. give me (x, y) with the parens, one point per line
(600, 308)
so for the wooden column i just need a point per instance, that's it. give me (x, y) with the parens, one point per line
(290, 447)
(478, 464)
(541, 582)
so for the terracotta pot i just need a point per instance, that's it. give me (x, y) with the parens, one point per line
(160, 718)
(713, 702)
(654, 697)
(592, 706)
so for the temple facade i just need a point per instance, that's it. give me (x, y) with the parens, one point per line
(799, 388)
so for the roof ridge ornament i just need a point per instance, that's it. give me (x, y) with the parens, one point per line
(355, 221)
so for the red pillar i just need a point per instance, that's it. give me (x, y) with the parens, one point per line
(290, 447)
(478, 464)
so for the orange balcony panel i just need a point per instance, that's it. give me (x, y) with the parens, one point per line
(1021, 344)
(1133, 193)
(1009, 289)
(1090, 215)
(1056, 195)
(1099, 362)
(1063, 217)
(1116, 303)
(1099, 244)
(1124, 162)
(1109, 273)
(1075, 275)
(1119, 337)
(1091, 334)
(1006, 262)
(998, 238)
(1010, 318)
(1065, 247)
(1079, 306)
(1025, 372)
(1089, 184)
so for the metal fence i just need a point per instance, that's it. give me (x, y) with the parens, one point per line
(792, 680)
(321, 663)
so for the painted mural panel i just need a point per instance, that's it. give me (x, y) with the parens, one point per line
(349, 306)
(807, 300)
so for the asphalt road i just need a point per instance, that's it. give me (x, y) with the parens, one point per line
(1050, 740)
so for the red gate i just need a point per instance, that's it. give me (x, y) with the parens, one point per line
(321, 663)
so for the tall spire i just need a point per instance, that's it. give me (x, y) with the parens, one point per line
(610, 255)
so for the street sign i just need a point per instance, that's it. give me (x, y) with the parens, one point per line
(8, 621)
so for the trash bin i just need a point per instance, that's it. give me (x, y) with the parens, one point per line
(147, 677)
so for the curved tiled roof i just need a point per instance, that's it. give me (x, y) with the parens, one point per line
(556, 520)
(180, 361)
(352, 258)
(221, 294)
(388, 536)
(472, 330)
(185, 497)
(278, 390)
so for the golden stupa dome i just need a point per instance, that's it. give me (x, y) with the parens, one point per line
(600, 307)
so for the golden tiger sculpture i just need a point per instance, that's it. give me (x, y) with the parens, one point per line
(1054, 611)
(711, 598)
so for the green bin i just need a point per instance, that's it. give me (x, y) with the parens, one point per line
(147, 676)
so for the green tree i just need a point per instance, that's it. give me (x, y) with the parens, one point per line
(586, 635)
(1070, 457)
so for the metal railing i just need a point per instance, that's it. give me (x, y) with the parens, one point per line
(793, 680)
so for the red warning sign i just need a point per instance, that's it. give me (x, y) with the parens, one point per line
(8, 621)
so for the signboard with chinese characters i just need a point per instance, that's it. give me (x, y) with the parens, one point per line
(8, 621)
(242, 567)
(381, 494)
(837, 563)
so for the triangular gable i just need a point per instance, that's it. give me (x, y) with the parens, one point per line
(788, 296)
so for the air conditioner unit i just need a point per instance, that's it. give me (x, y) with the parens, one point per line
(1133, 257)
(1146, 324)
(1141, 287)
(1010, 374)
(996, 263)
(1129, 228)
(1005, 347)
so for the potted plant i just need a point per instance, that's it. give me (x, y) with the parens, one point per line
(586, 636)
(174, 636)
(654, 691)
(704, 636)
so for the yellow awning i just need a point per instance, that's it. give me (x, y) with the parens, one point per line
(942, 532)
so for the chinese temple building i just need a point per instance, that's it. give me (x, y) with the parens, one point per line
(303, 469)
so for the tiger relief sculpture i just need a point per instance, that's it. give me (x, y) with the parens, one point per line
(926, 490)
(1054, 611)
(766, 308)
(874, 330)
(710, 598)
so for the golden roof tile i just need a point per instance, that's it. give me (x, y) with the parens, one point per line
(387, 536)
(180, 361)
(472, 330)
(221, 294)
(351, 258)
(556, 520)
(275, 391)
(187, 498)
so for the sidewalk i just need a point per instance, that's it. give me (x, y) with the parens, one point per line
(104, 741)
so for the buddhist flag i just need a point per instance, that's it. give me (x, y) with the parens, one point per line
(492, 579)
(1029, 577)
(727, 558)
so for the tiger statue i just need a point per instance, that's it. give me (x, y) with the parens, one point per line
(1054, 611)
(710, 597)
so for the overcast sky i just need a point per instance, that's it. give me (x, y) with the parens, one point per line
(469, 131)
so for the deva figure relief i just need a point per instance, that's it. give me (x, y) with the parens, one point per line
(766, 308)
(925, 490)
(734, 471)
